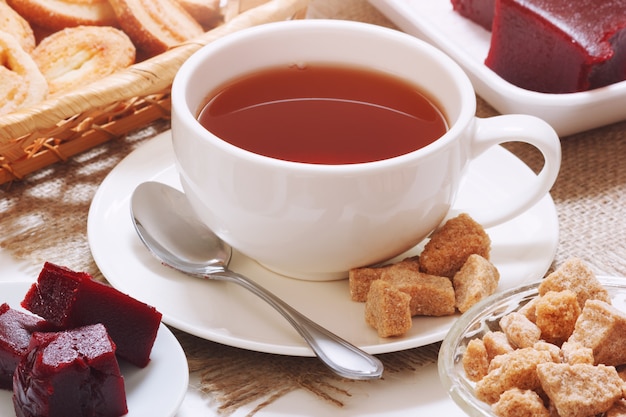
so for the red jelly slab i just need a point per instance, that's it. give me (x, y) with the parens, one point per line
(478, 11)
(70, 373)
(70, 299)
(559, 46)
(16, 328)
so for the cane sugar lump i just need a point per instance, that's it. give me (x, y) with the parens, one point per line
(475, 360)
(574, 352)
(618, 409)
(477, 279)
(516, 369)
(388, 309)
(430, 295)
(520, 403)
(575, 275)
(70, 373)
(602, 328)
(451, 245)
(556, 314)
(69, 299)
(580, 390)
(559, 46)
(551, 348)
(16, 328)
(360, 279)
(497, 343)
(520, 331)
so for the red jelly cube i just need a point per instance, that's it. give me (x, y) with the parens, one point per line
(71, 299)
(16, 328)
(478, 11)
(70, 373)
(559, 46)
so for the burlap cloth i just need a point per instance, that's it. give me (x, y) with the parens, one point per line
(44, 217)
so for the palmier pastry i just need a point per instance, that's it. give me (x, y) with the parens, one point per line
(78, 56)
(59, 14)
(21, 82)
(155, 25)
(11, 22)
(206, 12)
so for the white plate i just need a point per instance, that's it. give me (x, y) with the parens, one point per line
(156, 390)
(467, 43)
(522, 249)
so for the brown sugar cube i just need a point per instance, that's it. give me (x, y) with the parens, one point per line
(576, 276)
(477, 279)
(573, 353)
(496, 343)
(618, 409)
(621, 371)
(516, 369)
(551, 348)
(451, 245)
(520, 403)
(430, 295)
(412, 262)
(520, 331)
(556, 314)
(475, 360)
(360, 279)
(529, 309)
(408, 264)
(387, 309)
(580, 390)
(602, 328)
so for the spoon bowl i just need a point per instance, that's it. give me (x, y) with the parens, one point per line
(168, 227)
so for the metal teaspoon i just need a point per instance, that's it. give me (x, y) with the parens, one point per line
(166, 224)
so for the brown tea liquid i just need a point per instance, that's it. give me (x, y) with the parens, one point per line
(323, 115)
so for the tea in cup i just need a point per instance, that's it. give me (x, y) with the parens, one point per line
(317, 146)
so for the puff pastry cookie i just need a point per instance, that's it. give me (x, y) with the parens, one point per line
(74, 57)
(206, 12)
(11, 22)
(156, 25)
(21, 82)
(59, 14)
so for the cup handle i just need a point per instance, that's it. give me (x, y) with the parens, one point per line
(519, 128)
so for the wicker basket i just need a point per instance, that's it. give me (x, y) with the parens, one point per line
(57, 129)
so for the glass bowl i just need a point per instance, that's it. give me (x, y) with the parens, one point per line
(483, 317)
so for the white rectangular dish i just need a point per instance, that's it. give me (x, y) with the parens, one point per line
(467, 43)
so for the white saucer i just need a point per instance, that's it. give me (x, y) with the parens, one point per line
(522, 249)
(468, 43)
(156, 390)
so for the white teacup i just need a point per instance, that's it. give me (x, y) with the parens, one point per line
(314, 221)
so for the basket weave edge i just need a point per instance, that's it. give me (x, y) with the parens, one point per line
(148, 77)
(57, 129)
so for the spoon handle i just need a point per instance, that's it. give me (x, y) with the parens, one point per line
(339, 355)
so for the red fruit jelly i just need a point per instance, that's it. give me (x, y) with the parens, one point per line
(70, 373)
(559, 46)
(16, 327)
(69, 299)
(478, 11)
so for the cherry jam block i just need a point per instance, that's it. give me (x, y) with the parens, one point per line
(559, 46)
(69, 299)
(70, 373)
(478, 11)
(16, 328)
